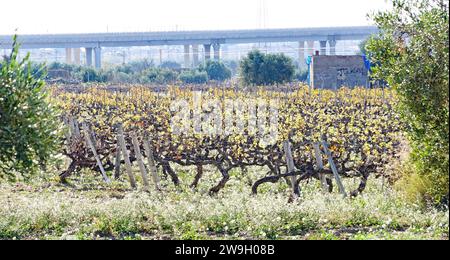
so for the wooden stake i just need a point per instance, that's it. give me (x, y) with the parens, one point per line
(334, 169)
(76, 128)
(118, 159)
(67, 133)
(87, 136)
(126, 157)
(151, 161)
(318, 155)
(71, 126)
(137, 152)
(290, 163)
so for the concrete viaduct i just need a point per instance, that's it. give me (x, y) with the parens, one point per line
(191, 40)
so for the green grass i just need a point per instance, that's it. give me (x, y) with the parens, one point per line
(90, 209)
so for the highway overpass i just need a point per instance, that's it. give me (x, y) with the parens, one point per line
(191, 40)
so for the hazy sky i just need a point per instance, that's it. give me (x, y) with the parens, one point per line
(78, 16)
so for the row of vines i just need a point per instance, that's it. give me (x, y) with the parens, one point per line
(358, 126)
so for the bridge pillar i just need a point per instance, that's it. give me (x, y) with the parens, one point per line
(88, 57)
(98, 57)
(301, 54)
(77, 54)
(195, 54)
(216, 47)
(310, 51)
(187, 57)
(68, 55)
(332, 47)
(207, 51)
(323, 47)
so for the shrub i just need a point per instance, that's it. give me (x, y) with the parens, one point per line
(121, 77)
(160, 76)
(29, 125)
(193, 77)
(150, 75)
(411, 54)
(170, 65)
(135, 67)
(168, 76)
(92, 75)
(63, 66)
(266, 69)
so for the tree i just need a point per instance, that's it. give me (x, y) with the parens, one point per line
(29, 129)
(280, 68)
(412, 55)
(217, 70)
(251, 68)
(233, 65)
(266, 69)
(302, 75)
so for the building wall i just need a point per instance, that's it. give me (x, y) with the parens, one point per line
(333, 72)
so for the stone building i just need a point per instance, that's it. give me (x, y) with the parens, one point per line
(335, 71)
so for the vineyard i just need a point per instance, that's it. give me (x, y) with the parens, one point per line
(292, 135)
(144, 162)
